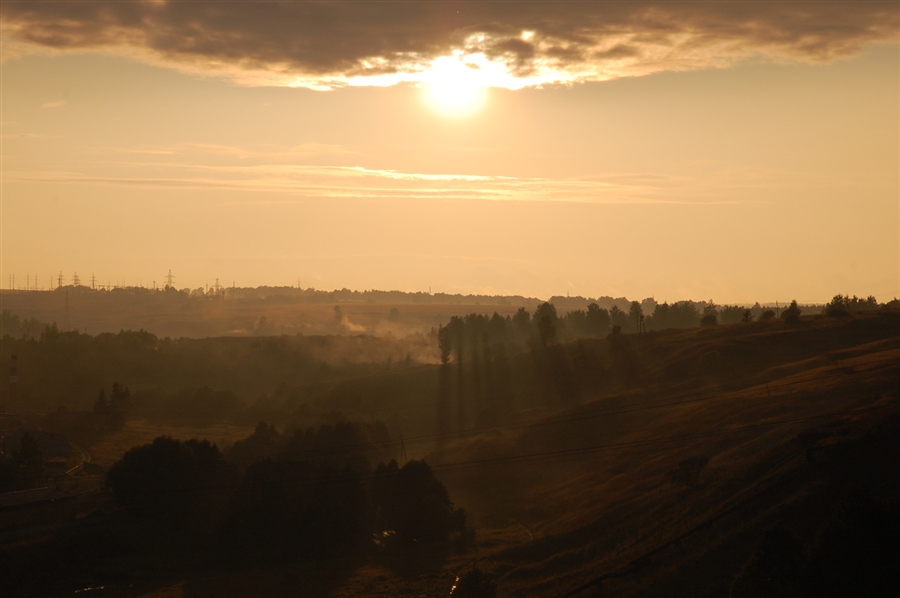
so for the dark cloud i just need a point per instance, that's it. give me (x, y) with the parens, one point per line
(326, 42)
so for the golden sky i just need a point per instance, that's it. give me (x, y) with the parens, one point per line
(739, 151)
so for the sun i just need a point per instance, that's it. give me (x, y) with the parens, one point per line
(452, 87)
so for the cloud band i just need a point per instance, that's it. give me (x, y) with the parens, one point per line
(332, 44)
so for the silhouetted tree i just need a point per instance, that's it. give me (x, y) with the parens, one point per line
(521, 323)
(682, 314)
(618, 317)
(635, 313)
(178, 481)
(791, 315)
(576, 323)
(413, 503)
(710, 315)
(597, 320)
(731, 314)
(546, 319)
(838, 307)
(23, 467)
(343, 444)
(264, 443)
(767, 315)
(445, 343)
(288, 509)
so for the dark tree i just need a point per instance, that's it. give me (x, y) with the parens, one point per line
(791, 315)
(521, 322)
(445, 343)
(838, 307)
(289, 509)
(413, 503)
(618, 317)
(23, 467)
(597, 320)
(182, 482)
(264, 443)
(731, 314)
(710, 315)
(635, 313)
(546, 319)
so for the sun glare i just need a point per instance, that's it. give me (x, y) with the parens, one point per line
(453, 87)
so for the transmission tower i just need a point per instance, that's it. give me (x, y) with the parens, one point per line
(59, 280)
(75, 280)
(170, 280)
(93, 280)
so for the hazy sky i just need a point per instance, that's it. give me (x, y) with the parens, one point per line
(738, 151)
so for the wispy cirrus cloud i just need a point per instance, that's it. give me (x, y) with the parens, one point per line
(54, 104)
(260, 151)
(290, 183)
(328, 44)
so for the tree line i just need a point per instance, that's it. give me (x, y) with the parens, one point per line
(309, 494)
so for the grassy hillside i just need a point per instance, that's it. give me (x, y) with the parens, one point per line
(667, 464)
(790, 420)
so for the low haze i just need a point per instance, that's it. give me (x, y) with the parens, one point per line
(742, 166)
